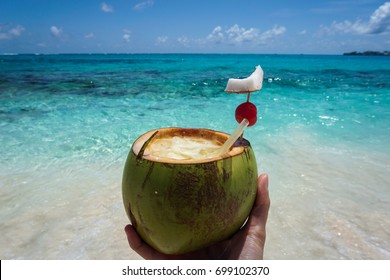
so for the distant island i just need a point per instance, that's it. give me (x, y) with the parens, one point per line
(371, 53)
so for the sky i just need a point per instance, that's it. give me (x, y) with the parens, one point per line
(194, 26)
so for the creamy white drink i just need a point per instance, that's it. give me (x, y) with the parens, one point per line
(182, 148)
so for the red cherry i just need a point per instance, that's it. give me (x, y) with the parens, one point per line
(246, 110)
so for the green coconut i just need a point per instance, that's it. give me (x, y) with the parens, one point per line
(179, 206)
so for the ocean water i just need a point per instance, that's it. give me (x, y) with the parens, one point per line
(67, 123)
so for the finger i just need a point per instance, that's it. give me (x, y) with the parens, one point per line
(263, 201)
(259, 214)
(139, 246)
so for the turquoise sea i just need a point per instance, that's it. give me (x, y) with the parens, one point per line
(67, 123)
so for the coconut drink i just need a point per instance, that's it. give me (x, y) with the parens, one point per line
(187, 188)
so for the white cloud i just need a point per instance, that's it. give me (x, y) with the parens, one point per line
(55, 31)
(90, 35)
(234, 36)
(379, 23)
(16, 31)
(237, 35)
(380, 20)
(127, 35)
(143, 5)
(216, 35)
(272, 33)
(162, 39)
(7, 33)
(183, 40)
(106, 8)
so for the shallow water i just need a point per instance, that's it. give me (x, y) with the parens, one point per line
(67, 123)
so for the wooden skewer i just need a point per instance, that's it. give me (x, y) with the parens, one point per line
(247, 100)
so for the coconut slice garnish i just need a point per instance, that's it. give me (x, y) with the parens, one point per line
(253, 83)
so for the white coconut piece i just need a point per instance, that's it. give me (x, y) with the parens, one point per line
(253, 83)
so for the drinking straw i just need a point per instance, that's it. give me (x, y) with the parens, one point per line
(233, 137)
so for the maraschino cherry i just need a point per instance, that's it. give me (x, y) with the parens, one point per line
(246, 110)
